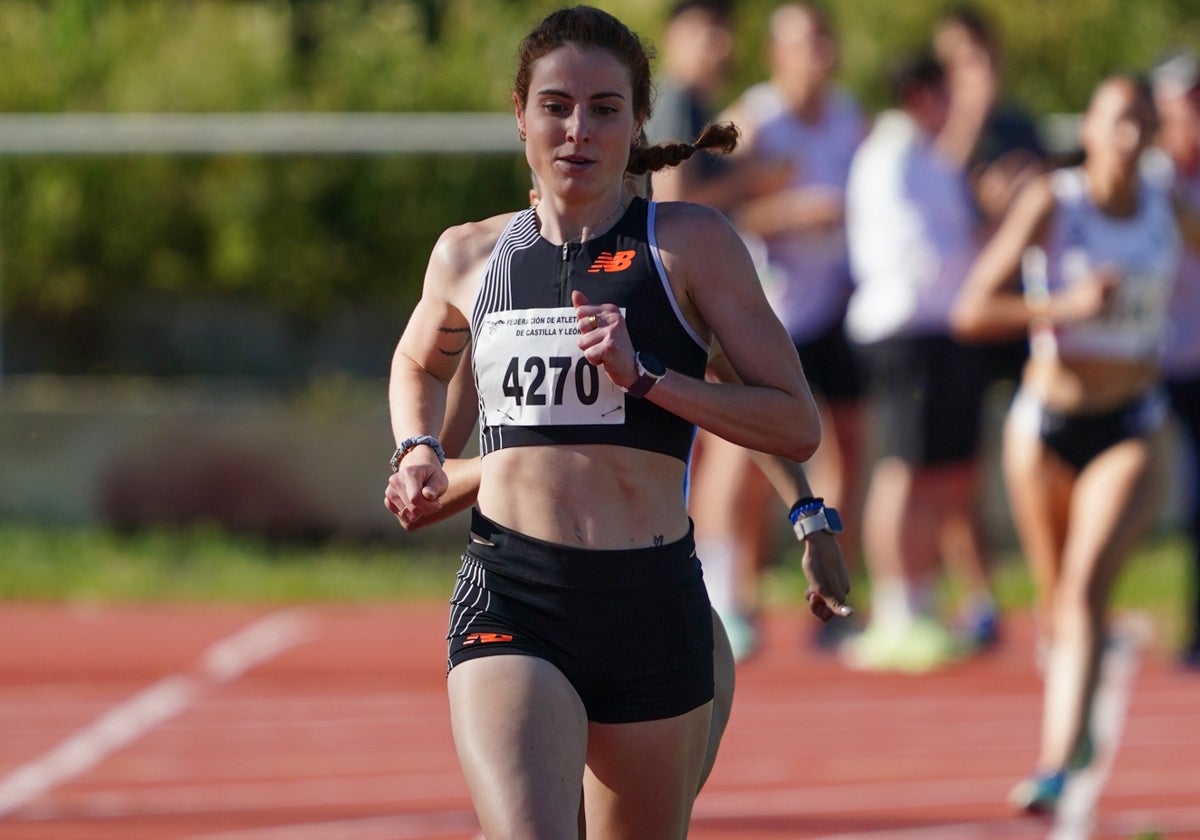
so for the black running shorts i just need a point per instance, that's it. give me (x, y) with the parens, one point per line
(832, 366)
(630, 629)
(927, 395)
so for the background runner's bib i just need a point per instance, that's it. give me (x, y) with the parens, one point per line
(530, 372)
(1143, 249)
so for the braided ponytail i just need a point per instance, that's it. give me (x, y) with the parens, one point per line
(721, 138)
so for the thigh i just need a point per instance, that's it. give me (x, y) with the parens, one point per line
(1038, 488)
(520, 731)
(642, 778)
(724, 682)
(1117, 498)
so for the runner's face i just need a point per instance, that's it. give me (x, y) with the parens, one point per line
(1117, 124)
(579, 121)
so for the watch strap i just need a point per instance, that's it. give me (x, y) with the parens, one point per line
(645, 381)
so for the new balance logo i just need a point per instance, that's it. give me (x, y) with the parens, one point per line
(608, 261)
(486, 638)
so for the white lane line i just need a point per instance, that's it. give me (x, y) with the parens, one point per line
(1023, 828)
(1165, 821)
(263, 640)
(402, 827)
(88, 747)
(224, 661)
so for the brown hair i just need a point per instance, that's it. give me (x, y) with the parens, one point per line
(717, 137)
(589, 27)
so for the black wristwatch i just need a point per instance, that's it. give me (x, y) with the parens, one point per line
(650, 369)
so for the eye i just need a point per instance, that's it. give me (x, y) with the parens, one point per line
(554, 108)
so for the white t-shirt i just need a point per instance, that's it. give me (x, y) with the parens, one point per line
(1181, 346)
(811, 267)
(911, 229)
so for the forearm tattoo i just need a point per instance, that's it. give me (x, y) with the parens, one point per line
(459, 338)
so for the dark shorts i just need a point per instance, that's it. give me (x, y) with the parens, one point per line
(1185, 402)
(832, 366)
(927, 397)
(631, 630)
(1078, 438)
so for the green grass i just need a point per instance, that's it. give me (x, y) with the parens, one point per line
(1157, 581)
(206, 565)
(39, 563)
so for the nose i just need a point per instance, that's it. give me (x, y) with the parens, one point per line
(577, 127)
(1129, 135)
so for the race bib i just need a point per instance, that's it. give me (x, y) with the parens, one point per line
(530, 372)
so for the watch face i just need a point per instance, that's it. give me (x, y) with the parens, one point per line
(652, 364)
(833, 520)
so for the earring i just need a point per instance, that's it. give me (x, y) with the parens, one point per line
(521, 134)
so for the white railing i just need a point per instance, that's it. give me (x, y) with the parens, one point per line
(258, 133)
(334, 133)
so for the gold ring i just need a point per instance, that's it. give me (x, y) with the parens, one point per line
(595, 321)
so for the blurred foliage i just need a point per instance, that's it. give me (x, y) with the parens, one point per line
(302, 235)
(1054, 50)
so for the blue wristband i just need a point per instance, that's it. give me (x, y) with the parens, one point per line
(808, 504)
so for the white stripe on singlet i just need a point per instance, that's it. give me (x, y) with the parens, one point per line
(495, 295)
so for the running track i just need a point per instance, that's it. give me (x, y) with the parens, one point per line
(331, 724)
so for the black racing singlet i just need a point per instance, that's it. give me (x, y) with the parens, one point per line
(535, 388)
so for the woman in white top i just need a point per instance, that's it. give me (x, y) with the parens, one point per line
(1083, 445)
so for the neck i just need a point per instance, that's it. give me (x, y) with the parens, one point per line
(1113, 192)
(568, 224)
(809, 107)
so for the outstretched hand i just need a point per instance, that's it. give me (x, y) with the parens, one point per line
(828, 579)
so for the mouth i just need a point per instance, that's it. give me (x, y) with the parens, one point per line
(576, 161)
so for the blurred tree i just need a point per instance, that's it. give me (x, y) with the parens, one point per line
(82, 238)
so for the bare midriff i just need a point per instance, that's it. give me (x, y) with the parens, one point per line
(1091, 385)
(593, 496)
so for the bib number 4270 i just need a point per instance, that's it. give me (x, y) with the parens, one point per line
(526, 384)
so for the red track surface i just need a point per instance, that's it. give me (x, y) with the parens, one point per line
(331, 724)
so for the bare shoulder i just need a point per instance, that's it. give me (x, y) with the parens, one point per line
(1037, 198)
(695, 235)
(458, 258)
(705, 259)
(1033, 207)
(686, 225)
(461, 247)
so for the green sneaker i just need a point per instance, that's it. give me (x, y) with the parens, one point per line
(923, 646)
(743, 637)
(927, 646)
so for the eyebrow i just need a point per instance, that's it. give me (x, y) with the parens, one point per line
(602, 95)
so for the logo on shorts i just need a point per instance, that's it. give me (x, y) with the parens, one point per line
(610, 262)
(486, 638)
